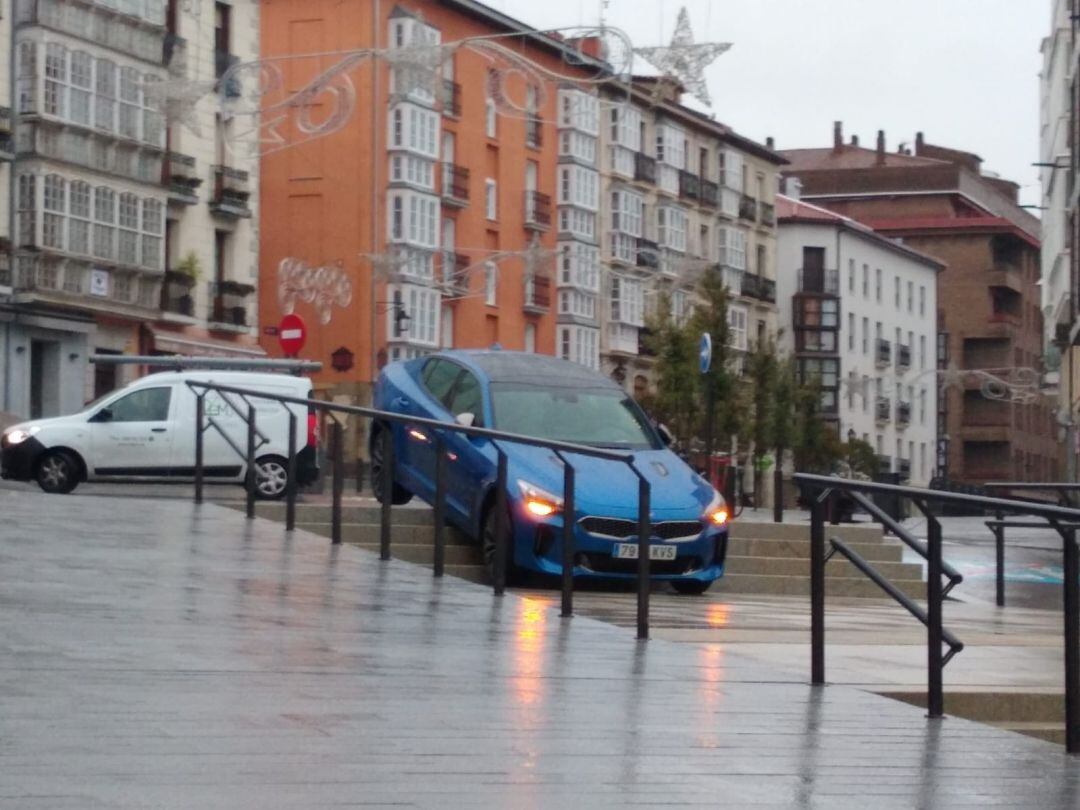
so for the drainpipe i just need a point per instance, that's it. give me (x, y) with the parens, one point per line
(376, 22)
(13, 97)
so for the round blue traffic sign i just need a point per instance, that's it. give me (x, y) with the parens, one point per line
(705, 352)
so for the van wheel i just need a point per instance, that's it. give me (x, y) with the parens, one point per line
(398, 494)
(57, 472)
(271, 478)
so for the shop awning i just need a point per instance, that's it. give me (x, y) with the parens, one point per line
(173, 343)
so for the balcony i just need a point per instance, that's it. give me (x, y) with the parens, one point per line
(229, 305)
(534, 132)
(174, 55)
(176, 297)
(648, 253)
(537, 211)
(884, 464)
(98, 23)
(882, 409)
(759, 287)
(455, 185)
(882, 353)
(644, 168)
(455, 273)
(229, 84)
(689, 186)
(904, 468)
(181, 178)
(1005, 276)
(1002, 325)
(710, 193)
(747, 208)
(903, 357)
(7, 145)
(903, 414)
(537, 295)
(230, 193)
(819, 280)
(451, 99)
(768, 214)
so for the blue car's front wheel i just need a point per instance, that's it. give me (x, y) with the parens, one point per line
(380, 475)
(489, 534)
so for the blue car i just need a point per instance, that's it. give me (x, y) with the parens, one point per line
(548, 398)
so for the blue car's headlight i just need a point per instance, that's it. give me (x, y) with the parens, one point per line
(539, 502)
(716, 513)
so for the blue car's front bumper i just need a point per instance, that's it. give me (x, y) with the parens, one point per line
(538, 547)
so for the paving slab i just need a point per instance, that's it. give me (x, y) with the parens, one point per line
(155, 654)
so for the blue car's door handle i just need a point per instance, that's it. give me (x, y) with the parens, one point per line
(400, 402)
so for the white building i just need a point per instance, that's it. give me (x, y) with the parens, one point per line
(133, 234)
(859, 313)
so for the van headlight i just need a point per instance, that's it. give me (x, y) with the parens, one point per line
(716, 513)
(539, 502)
(18, 435)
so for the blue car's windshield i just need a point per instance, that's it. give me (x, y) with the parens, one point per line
(598, 417)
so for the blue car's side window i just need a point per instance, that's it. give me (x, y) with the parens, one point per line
(468, 398)
(439, 377)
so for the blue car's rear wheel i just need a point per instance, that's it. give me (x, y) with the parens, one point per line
(398, 494)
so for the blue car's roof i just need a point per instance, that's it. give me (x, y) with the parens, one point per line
(526, 367)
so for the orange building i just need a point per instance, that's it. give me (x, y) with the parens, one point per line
(408, 198)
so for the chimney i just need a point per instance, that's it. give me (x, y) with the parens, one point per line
(881, 147)
(918, 143)
(854, 140)
(769, 142)
(838, 135)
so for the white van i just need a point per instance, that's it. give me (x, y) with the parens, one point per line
(146, 432)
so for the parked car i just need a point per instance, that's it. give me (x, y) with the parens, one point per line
(544, 397)
(146, 432)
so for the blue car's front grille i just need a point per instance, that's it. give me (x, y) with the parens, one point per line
(620, 528)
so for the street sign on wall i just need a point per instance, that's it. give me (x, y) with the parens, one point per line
(292, 333)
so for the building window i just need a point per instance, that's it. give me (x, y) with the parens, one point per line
(851, 331)
(851, 275)
(128, 235)
(626, 224)
(865, 335)
(896, 292)
(579, 266)
(414, 129)
(866, 281)
(413, 218)
(491, 201)
(911, 296)
(736, 319)
(922, 352)
(731, 247)
(580, 344)
(877, 285)
(626, 127)
(491, 282)
(104, 222)
(670, 146)
(52, 221)
(731, 170)
(153, 226)
(105, 97)
(530, 337)
(579, 110)
(627, 301)
(81, 90)
(671, 227)
(578, 145)
(56, 76)
(491, 115)
(579, 186)
(922, 300)
(79, 223)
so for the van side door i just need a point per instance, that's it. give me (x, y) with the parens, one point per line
(133, 435)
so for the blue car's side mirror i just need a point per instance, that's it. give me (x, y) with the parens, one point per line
(666, 436)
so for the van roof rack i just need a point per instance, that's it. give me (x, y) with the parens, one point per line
(184, 363)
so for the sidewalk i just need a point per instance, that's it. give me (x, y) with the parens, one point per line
(159, 655)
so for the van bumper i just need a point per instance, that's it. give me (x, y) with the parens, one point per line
(18, 461)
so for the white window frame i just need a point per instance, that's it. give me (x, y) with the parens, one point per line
(491, 199)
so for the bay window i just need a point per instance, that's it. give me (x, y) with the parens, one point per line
(671, 226)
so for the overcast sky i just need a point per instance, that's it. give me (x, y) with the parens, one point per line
(964, 72)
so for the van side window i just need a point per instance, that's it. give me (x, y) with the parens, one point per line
(439, 376)
(145, 405)
(467, 398)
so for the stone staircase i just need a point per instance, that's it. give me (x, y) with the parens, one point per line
(1036, 714)
(763, 558)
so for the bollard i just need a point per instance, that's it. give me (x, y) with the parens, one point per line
(502, 528)
(338, 483)
(440, 505)
(644, 535)
(1072, 642)
(251, 477)
(817, 587)
(387, 485)
(290, 484)
(200, 419)
(569, 515)
(935, 700)
(999, 559)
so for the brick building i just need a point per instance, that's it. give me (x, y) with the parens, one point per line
(938, 201)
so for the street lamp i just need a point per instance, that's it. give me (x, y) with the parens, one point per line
(401, 317)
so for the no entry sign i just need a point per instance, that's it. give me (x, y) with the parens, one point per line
(291, 334)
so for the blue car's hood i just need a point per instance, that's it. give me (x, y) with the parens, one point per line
(611, 488)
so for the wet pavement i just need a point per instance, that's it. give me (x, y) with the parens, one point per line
(157, 655)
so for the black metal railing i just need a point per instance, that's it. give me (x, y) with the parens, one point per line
(648, 253)
(534, 131)
(824, 280)
(883, 352)
(882, 409)
(689, 185)
(820, 489)
(644, 168)
(455, 183)
(747, 207)
(903, 356)
(903, 413)
(768, 213)
(537, 209)
(383, 419)
(537, 293)
(755, 286)
(451, 98)
(710, 193)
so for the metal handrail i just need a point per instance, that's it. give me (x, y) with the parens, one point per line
(1062, 519)
(559, 448)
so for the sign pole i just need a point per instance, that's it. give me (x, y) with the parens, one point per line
(704, 363)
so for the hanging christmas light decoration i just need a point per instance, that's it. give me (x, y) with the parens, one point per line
(684, 60)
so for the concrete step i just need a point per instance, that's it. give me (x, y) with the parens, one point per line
(995, 706)
(424, 554)
(753, 530)
(883, 550)
(370, 533)
(800, 567)
(1051, 732)
(320, 513)
(800, 586)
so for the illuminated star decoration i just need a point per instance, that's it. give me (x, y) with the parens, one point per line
(684, 60)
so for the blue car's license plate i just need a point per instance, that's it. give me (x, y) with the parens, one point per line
(629, 551)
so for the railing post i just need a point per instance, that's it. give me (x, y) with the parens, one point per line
(387, 490)
(999, 558)
(1072, 642)
(935, 701)
(644, 535)
(252, 477)
(569, 515)
(817, 587)
(778, 490)
(501, 528)
(440, 505)
(338, 482)
(200, 420)
(290, 485)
